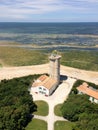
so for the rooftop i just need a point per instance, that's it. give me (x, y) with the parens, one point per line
(42, 78)
(88, 90)
(45, 81)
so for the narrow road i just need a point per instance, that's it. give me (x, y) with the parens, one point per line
(41, 117)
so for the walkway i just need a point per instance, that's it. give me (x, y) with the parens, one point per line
(59, 96)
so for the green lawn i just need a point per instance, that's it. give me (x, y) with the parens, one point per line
(57, 110)
(42, 108)
(63, 125)
(36, 124)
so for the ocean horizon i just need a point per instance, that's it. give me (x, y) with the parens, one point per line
(45, 34)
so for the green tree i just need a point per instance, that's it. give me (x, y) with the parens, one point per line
(16, 103)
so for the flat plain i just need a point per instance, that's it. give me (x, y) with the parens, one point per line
(24, 56)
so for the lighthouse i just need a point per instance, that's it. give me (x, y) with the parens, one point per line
(55, 66)
(46, 85)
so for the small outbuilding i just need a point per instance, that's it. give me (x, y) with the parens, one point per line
(90, 91)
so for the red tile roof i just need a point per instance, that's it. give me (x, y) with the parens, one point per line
(42, 77)
(45, 81)
(87, 90)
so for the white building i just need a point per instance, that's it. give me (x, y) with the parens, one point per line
(91, 92)
(47, 84)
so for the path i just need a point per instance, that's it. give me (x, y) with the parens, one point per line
(58, 97)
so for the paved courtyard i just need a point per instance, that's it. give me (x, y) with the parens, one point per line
(58, 97)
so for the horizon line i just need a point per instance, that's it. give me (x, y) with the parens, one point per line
(46, 22)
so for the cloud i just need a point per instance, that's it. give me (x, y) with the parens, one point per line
(37, 6)
(82, 4)
(23, 9)
(26, 7)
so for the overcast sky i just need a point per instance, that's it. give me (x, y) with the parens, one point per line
(48, 10)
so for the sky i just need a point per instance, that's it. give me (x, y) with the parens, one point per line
(48, 10)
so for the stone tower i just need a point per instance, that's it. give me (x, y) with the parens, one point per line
(55, 66)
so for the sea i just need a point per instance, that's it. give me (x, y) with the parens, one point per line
(52, 35)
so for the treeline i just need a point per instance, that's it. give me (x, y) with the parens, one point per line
(16, 103)
(81, 111)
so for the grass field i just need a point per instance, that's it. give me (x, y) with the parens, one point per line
(57, 110)
(21, 57)
(86, 60)
(13, 56)
(63, 125)
(42, 108)
(36, 124)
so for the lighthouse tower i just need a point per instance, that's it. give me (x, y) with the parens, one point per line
(55, 66)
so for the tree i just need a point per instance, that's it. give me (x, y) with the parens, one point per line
(79, 109)
(16, 103)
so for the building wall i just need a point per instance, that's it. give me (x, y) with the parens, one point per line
(53, 88)
(52, 68)
(93, 100)
(57, 70)
(40, 90)
(96, 101)
(79, 92)
(55, 67)
(43, 90)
